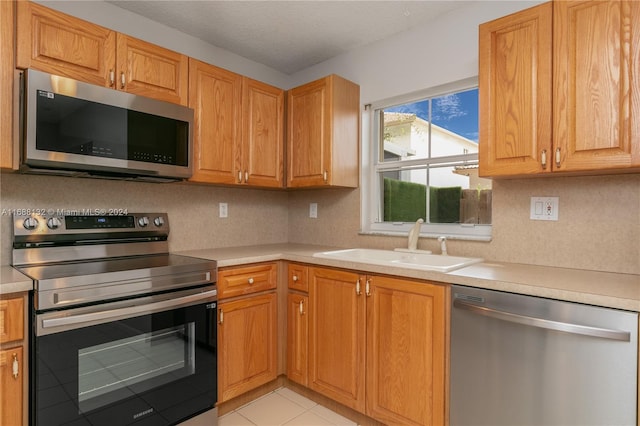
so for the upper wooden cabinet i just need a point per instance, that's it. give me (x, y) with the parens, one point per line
(596, 84)
(323, 134)
(8, 148)
(238, 137)
(557, 90)
(60, 44)
(515, 93)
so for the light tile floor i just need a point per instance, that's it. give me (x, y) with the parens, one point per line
(283, 407)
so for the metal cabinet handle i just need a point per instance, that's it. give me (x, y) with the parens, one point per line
(112, 77)
(122, 80)
(358, 292)
(250, 280)
(558, 157)
(221, 317)
(325, 176)
(585, 330)
(301, 307)
(367, 288)
(15, 366)
(543, 158)
(246, 176)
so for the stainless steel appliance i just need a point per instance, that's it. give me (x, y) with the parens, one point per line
(71, 127)
(522, 360)
(122, 331)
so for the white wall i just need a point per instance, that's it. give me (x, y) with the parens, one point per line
(438, 52)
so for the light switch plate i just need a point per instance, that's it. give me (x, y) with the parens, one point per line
(544, 208)
(223, 210)
(313, 210)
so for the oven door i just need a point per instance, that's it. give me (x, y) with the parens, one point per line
(150, 360)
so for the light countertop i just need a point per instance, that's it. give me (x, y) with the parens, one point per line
(607, 289)
(12, 281)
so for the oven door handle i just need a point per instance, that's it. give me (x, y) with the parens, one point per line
(128, 312)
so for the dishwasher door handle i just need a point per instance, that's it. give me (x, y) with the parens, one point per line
(585, 330)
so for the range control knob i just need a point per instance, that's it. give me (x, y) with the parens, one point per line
(143, 221)
(158, 221)
(30, 223)
(54, 223)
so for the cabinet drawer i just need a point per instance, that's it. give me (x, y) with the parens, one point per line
(245, 280)
(11, 320)
(298, 277)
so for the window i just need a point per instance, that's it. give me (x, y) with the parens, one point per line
(422, 162)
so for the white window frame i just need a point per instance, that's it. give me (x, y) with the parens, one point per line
(370, 202)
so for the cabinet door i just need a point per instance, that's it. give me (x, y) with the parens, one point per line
(215, 95)
(11, 395)
(8, 150)
(308, 136)
(263, 134)
(406, 352)
(337, 336)
(152, 71)
(247, 344)
(515, 93)
(60, 44)
(297, 338)
(596, 87)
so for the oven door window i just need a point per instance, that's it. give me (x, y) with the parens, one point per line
(125, 367)
(159, 367)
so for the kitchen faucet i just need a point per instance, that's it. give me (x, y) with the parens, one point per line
(414, 233)
(443, 245)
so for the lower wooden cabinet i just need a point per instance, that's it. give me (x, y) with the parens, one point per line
(377, 344)
(11, 378)
(247, 344)
(405, 378)
(297, 337)
(337, 333)
(13, 383)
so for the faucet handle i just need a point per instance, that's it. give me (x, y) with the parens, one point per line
(443, 245)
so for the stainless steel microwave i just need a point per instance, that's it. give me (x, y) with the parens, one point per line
(71, 127)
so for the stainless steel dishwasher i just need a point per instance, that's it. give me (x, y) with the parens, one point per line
(523, 360)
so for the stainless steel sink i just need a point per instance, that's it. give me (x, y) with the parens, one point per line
(427, 262)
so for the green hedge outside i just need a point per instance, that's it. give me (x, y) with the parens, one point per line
(406, 202)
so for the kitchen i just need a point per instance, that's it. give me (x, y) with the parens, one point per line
(598, 229)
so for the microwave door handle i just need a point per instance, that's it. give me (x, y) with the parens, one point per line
(585, 330)
(131, 311)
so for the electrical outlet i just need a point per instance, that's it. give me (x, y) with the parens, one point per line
(544, 208)
(224, 210)
(313, 210)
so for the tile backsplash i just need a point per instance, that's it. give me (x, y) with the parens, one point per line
(254, 216)
(598, 226)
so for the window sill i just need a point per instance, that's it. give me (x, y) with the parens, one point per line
(481, 238)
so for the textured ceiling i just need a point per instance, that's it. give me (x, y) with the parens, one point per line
(290, 35)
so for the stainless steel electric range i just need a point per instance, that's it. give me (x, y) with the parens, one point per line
(122, 331)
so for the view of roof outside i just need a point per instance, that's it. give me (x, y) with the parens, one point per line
(456, 112)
